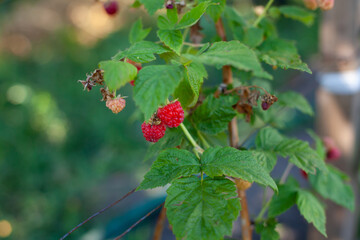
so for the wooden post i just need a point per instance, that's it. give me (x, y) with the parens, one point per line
(338, 104)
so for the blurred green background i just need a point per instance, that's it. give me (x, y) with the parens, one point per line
(63, 154)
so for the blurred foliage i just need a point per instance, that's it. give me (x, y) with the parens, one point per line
(58, 142)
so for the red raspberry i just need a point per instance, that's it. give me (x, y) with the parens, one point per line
(311, 4)
(153, 133)
(172, 115)
(132, 82)
(111, 7)
(304, 174)
(116, 105)
(326, 4)
(332, 151)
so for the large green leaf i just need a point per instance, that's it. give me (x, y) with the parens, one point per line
(284, 199)
(171, 38)
(267, 230)
(137, 33)
(297, 13)
(232, 162)
(233, 53)
(296, 101)
(117, 74)
(152, 5)
(281, 53)
(319, 144)
(154, 85)
(267, 159)
(141, 52)
(301, 154)
(268, 138)
(214, 114)
(312, 210)
(170, 164)
(192, 16)
(202, 210)
(215, 10)
(332, 185)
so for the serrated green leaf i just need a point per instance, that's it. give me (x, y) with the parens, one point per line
(232, 162)
(172, 138)
(196, 73)
(283, 54)
(164, 23)
(171, 38)
(253, 36)
(154, 85)
(331, 185)
(172, 15)
(202, 210)
(235, 54)
(152, 5)
(215, 11)
(184, 93)
(319, 145)
(312, 210)
(268, 138)
(266, 159)
(232, 15)
(301, 154)
(285, 199)
(117, 74)
(170, 164)
(214, 114)
(137, 33)
(296, 101)
(192, 16)
(267, 230)
(297, 13)
(141, 52)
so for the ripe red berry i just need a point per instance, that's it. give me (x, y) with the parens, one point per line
(304, 174)
(172, 115)
(111, 7)
(116, 105)
(153, 133)
(265, 105)
(332, 151)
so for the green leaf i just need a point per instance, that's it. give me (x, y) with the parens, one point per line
(214, 114)
(296, 101)
(266, 159)
(164, 23)
(319, 145)
(312, 210)
(172, 15)
(331, 185)
(215, 11)
(235, 54)
(196, 73)
(137, 33)
(301, 154)
(192, 16)
(297, 13)
(141, 52)
(267, 230)
(268, 138)
(117, 74)
(152, 5)
(283, 54)
(154, 85)
(185, 94)
(234, 16)
(171, 38)
(254, 36)
(202, 210)
(283, 200)
(170, 164)
(232, 162)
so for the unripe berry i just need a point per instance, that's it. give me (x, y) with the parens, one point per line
(111, 7)
(172, 115)
(265, 105)
(311, 4)
(153, 132)
(326, 4)
(116, 105)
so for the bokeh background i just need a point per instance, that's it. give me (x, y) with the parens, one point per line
(63, 154)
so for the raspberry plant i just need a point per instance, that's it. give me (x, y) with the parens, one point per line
(189, 121)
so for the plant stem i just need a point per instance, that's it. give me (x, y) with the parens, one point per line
(197, 148)
(160, 224)
(268, 5)
(203, 140)
(186, 32)
(286, 172)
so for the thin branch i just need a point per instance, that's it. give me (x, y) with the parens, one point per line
(268, 5)
(194, 44)
(139, 221)
(286, 172)
(99, 212)
(160, 224)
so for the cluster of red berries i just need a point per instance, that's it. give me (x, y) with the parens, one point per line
(322, 4)
(171, 115)
(333, 153)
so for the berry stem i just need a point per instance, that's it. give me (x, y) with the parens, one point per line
(197, 148)
(268, 5)
(203, 140)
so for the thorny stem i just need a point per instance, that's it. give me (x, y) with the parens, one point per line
(234, 141)
(139, 221)
(282, 180)
(268, 5)
(99, 212)
(197, 148)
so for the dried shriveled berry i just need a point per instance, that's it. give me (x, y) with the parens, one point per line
(116, 105)
(172, 115)
(153, 132)
(265, 105)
